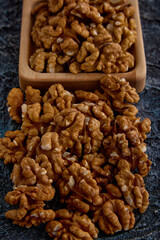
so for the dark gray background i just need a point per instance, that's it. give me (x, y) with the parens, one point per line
(147, 224)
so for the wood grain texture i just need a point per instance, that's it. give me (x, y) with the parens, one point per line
(85, 81)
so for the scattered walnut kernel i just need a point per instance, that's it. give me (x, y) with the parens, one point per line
(15, 101)
(63, 29)
(87, 145)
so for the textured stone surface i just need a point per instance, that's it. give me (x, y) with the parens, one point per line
(147, 224)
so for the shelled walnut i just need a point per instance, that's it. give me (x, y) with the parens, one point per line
(65, 31)
(114, 216)
(87, 146)
(12, 147)
(71, 226)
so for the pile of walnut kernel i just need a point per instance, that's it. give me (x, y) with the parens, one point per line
(83, 36)
(89, 147)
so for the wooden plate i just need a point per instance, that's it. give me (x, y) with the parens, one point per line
(85, 81)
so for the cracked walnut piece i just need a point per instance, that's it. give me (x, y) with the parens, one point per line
(88, 62)
(79, 180)
(55, 5)
(119, 90)
(71, 226)
(58, 96)
(14, 102)
(83, 9)
(12, 147)
(32, 218)
(28, 172)
(114, 216)
(133, 190)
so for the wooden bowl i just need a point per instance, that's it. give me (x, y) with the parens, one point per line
(85, 81)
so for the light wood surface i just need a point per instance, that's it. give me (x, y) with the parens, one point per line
(85, 81)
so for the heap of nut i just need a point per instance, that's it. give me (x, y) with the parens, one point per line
(83, 36)
(89, 146)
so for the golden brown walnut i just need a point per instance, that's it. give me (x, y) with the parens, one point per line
(129, 36)
(68, 7)
(113, 59)
(115, 216)
(12, 148)
(48, 34)
(76, 227)
(58, 23)
(55, 5)
(108, 57)
(97, 164)
(76, 203)
(100, 34)
(79, 180)
(31, 118)
(144, 165)
(84, 10)
(126, 109)
(104, 8)
(123, 165)
(144, 127)
(16, 214)
(85, 107)
(37, 193)
(133, 190)
(69, 47)
(50, 146)
(103, 112)
(29, 173)
(32, 218)
(38, 7)
(80, 28)
(40, 21)
(116, 147)
(48, 113)
(88, 62)
(75, 67)
(42, 61)
(71, 123)
(57, 96)
(14, 103)
(125, 62)
(52, 65)
(133, 126)
(129, 11)
(86, 96)
(119, 89)
(44, 163)
(31, 145)
(116, 26)
(38, 59)
(18, 196)
(139, 159)
(100, 110)
(62, 59)
(92, 136)
(32, 95)
(36, 119)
